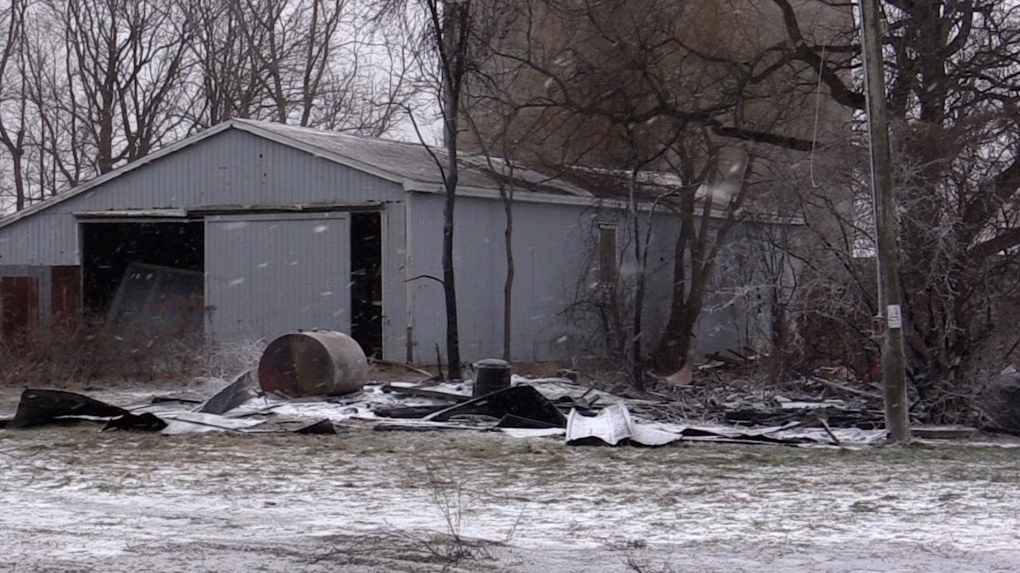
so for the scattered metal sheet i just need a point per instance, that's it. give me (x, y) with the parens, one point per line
(944, 432)
(521, 410)
(512, 421)
(244, 387)
(174, 400)
(645, 435)
(43, 407)
(614, 426)
(198, 422)
(521, 400)
(322, 427)
(531, 433)
(40, 407)
(145, 422)
(744, 436)
(417, 426)
(566, 391)
(425, 392)
(611, 426)
(407, 412)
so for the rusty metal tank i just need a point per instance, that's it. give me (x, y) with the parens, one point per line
(321, 363)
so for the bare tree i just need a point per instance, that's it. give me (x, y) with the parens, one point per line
(91, 84)
(649, 87)
(313, 63)
(126, 61)
(502, 170)
(12, 90)
(952, 69)
(445, 35)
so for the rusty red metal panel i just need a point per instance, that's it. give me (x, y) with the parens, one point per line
(66, 283)
(20, 296)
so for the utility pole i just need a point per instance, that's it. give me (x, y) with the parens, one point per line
(894, 374)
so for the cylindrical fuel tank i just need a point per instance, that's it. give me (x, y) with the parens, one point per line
(321, 363)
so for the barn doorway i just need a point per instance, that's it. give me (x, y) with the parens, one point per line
(366, 282)
(109, 248)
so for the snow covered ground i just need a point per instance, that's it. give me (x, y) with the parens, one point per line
(74, 499)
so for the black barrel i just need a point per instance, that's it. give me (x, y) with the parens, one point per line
(491, 375)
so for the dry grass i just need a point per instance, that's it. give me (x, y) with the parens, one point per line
(76, 356)
(58, 355)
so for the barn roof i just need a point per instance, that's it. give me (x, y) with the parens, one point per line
(412, 165)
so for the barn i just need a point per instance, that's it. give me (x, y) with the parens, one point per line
(250, 230)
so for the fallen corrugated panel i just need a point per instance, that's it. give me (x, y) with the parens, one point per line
(198, 422)
(241, 390)
(425, 392)
(614, 426)
(39, 407)
(523, 401)
(611, 426)
(156, 301)
(322, 427)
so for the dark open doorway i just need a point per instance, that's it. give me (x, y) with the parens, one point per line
(108, 249)
(366, 281)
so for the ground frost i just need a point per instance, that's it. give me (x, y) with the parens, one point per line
(76, 499)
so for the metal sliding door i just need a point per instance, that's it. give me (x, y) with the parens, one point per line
(267, 275)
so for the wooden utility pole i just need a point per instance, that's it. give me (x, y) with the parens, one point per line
(893, 364)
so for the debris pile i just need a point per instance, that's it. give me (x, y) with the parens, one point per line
(999, 401)
(561, 407)
(748, 403)
(280, 396)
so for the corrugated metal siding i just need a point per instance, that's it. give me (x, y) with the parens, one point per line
(231, 168)
(549, 251)
(270, 275)
(554, 249)
(720, 323)
(46, 239)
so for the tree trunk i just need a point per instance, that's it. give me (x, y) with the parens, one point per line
(637, 373)
(508, 285)
(453, 45)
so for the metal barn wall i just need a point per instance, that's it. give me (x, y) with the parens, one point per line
(556, 263)
(229, 168)
(550, 255)
(46, 239)
(722, 324)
